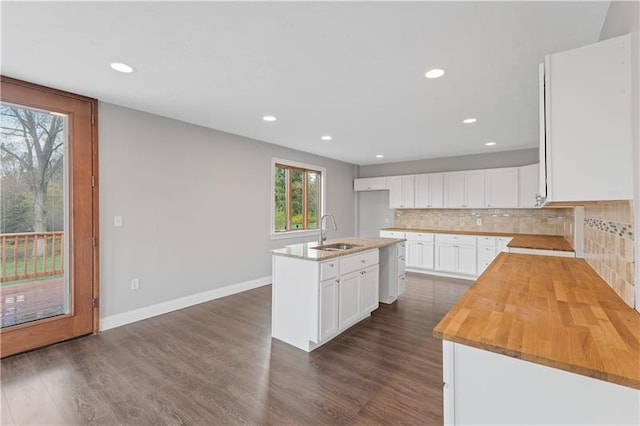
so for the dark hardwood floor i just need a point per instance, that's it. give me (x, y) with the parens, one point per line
(216, 363)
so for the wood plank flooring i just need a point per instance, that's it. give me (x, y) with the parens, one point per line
(216, 363)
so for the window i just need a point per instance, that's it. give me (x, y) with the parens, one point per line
(297, 197)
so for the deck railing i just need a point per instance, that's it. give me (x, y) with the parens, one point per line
(31, 255)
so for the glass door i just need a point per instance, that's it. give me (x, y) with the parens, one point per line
(47, 217)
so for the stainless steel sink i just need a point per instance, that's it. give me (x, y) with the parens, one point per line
(336, 247)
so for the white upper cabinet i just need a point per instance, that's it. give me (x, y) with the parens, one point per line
(429, 190)
(528, 186)
(454, 190)
(464, 189)
(401, 192)
(502, 188)
(586, 149)
(370, 184)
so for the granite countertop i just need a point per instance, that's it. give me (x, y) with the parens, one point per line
(305, 250)
(554, 311)
(528, 241)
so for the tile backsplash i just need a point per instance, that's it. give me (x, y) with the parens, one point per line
(608, 245)
(519, 221)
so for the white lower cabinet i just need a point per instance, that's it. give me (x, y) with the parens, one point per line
(312, 302)
(487, 388)
(420, 254)
(392, 266)
(329, 298)
(348, 299)
(456, 254)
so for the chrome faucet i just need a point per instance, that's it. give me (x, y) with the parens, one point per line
(323, 236)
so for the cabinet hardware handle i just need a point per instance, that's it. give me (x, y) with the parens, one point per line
(363, 261)
(338, 281)
(331, 265)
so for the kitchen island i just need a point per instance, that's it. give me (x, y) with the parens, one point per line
(540, 340)
(318, 292)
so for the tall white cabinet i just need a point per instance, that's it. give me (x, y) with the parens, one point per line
(585, 147)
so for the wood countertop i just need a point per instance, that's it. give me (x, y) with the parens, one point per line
(528, 241)
(554, 311)
(307, 251)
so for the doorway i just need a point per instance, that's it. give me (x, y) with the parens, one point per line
(48, 216)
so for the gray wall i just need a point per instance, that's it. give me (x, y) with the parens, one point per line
(373, 207)
(447, 164)
(196, 207)
(623, 18)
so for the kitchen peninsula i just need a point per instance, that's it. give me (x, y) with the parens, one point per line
(320, 291)
(565, 346)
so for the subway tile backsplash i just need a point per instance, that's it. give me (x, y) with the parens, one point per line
(519, 221)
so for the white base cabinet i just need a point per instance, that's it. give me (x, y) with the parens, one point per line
(312, 302)
(392, 266)
(450, 255)
(482, 387)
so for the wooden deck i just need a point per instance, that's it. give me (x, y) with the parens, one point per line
(31, 301)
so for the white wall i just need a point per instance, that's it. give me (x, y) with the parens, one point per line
(624, 18)
(373, 207)
(196, 207)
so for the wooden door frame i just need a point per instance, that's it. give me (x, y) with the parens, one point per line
(15, 84)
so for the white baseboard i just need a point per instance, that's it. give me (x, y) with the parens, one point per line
(117, 320)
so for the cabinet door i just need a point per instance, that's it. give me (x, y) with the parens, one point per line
(402, 285)
(589, 142)
(395, 191)
(454, 189)
(436, 190)
(370, 184)
(502, 188)
(528, 186)
(423, 191)
(474, 188)
(368, 291)
(467, 260)
(413, 254)
(446, 257)
(426, 256)
(348, 299)
(407, 187)
(328, 307)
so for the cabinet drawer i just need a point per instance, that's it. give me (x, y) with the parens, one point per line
(401, 265)
(487, 241)
(486, 253)
(358, 261)
(401, 249)
(482, 265)
(416, 236)
(456, 239)
(391, 234)
(328, 270)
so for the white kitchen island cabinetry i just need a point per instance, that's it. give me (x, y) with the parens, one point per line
(315, 301)
(392, 266)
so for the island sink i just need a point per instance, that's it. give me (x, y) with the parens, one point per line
(336, 247)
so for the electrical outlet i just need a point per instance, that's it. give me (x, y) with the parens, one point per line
(479, 221)
(135, 283)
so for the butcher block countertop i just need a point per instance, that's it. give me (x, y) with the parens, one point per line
(527, 241)
(554, 311)
(306, 251)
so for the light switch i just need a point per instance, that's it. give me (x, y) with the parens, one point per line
(117, 221)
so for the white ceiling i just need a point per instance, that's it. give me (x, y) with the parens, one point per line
(351, 70)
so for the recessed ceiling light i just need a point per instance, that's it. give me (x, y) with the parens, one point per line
(490, 143)
(379, 156)
(469, 120)
(326, 138)
(269, 118)
(434, 73)
(120, 67)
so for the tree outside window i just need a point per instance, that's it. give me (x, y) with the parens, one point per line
(297, 198)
